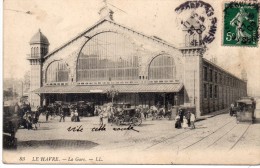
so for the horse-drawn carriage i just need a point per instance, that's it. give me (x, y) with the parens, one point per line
(124, 114)
(85, 109)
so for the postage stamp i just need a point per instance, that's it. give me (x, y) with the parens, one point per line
(241, 24)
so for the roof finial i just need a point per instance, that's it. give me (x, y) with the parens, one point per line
(105, 11)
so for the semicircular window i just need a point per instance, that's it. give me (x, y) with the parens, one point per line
(57, 71)
(162, 67)
(107, 56)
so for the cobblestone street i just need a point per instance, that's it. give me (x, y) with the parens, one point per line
(220, 134)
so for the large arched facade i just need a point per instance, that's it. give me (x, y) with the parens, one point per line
(107, 56)
(144, 70)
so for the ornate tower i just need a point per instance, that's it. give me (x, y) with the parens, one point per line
(192, 51)
(39, 45)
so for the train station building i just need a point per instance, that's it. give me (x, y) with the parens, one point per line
(142, 70)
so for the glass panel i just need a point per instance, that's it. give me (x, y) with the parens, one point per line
(107, 56)
(162, 67)
(57, 72)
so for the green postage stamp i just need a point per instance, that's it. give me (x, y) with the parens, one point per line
(241, 24)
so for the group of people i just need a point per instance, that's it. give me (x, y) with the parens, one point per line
(31, 119)
(185, 121)
(107, 112)
(74, 115)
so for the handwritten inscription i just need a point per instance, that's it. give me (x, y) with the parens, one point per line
(100, 128)
(75, 129)
(130, 127)
(103, 128)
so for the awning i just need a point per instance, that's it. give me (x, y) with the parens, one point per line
(175, 87)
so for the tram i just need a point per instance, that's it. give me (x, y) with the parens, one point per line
(245, 110)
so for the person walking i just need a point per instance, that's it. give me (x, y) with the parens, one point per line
(96, 111)
(76, 116)
(177, 122)
(62, 115)
(72, 115)
(181, 114)
(188, 118)
(185, 123)
(232, 109)
(192, 120)
(104, 116)
(47, 114)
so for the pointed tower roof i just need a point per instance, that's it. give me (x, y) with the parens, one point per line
(39, 38)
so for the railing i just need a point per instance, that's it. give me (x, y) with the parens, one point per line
(107, 82)
(56, 83)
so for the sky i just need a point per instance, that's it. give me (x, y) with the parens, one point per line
(61, 20)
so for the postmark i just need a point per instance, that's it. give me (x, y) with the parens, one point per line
(198, 17)
(241, 24)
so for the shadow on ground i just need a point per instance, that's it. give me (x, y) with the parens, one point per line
(57, 144)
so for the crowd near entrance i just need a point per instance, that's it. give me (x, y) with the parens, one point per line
(166, 100)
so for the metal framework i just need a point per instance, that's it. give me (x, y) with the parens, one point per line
(162, 67)
(57, 71)
(107, 56)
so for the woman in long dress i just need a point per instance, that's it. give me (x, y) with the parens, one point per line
(177, 122)
(185, 123)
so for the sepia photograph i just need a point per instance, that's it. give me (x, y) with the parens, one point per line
(136, 82)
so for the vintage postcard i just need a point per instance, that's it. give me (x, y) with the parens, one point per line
(131, 82)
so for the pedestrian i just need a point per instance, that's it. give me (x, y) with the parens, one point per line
(177, 122)
(96, 111)
(72, 116)
(185, 123)
(231, 109)
(146, 110)
(181, 113)
(62, 115)
(142, 114)
(28, 118)
(105, 115)
(47, 114)
(101, 118)
(76, 114)
(192, 121)
(188, 118)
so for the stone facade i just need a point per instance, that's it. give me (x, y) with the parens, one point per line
(220, 88)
